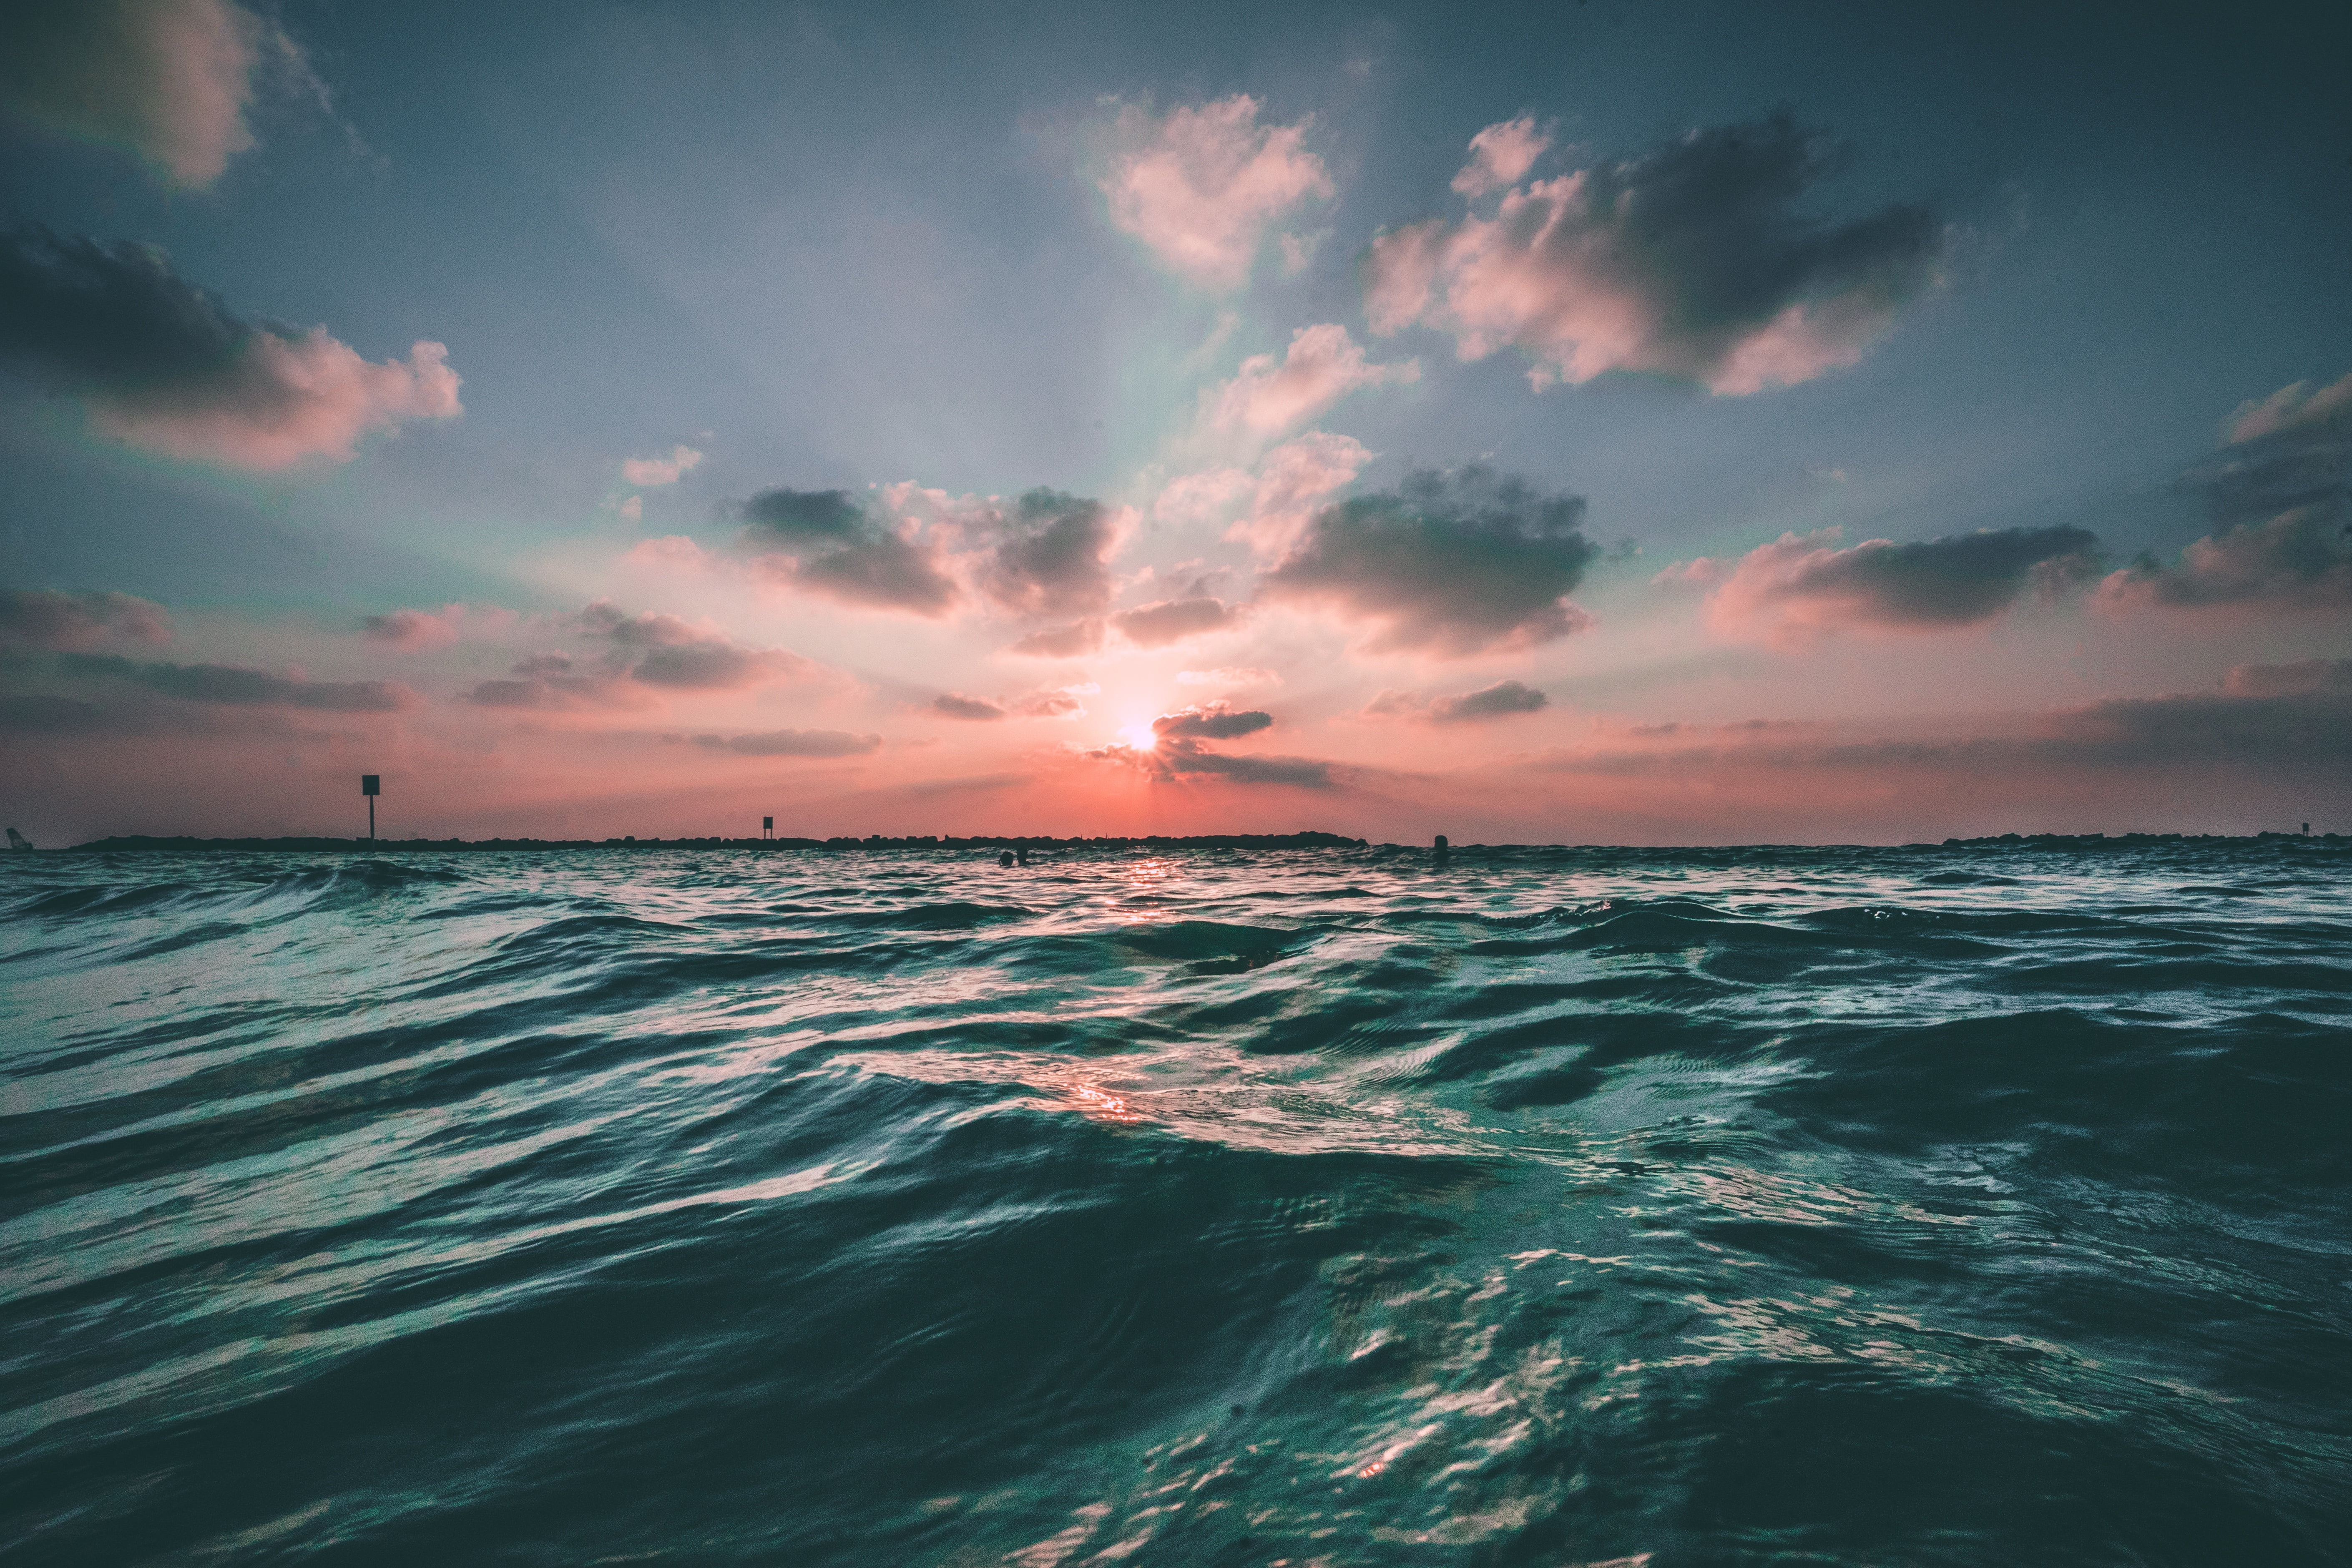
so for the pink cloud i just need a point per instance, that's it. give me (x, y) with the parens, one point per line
(2299, 560)
(282, 402)
(670, 553)
(2288, 408)
(1500, 155)
(1191, 500)
(1200, 185)
(1322, 365)
(1071, 641)
(1175, 620)
(169, 79)
(1687, 262)
(2280, 511)
(1229, 676)
(651, 471)
(1293, 481)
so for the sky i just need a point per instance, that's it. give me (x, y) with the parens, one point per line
(1598, 422)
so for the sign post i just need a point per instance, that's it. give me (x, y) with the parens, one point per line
(371, 785)
(767, 828)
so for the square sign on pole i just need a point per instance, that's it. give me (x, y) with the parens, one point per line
(371, 785)
(767, 828)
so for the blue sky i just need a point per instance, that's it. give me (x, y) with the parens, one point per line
(2019, 284)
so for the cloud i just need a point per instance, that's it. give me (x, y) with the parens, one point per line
(1500, 155)
(1688, 262)
(793, 743)
(1300, 773)
(1273, 503)
(1229, 676)
(1200, 185)
(1502, 699)
(169, 79)
(2288, 408)
(827, 542)
(1211, 721)
(662, 651)
(1052, 555)
(2310, 675)
(948, 705)
(415, 631)
(551, 680)
(163, 365)
(1180, 748)
(1196, 499)
(1173, 620)
(2279, 497)
(2290, 719)
(231, 686)
(652, 471)
(1072, 641)
(1447, 562)
(43, 617)
(1292, 482)
(1801, 584)
(1322, 365)
(1055, 701)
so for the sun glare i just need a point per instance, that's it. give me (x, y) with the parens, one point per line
(1142, 737)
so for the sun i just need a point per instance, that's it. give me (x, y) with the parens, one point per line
(1141, 737)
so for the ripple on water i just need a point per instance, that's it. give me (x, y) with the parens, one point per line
(1571, 1206)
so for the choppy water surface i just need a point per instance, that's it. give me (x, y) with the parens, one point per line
(1867, 1206)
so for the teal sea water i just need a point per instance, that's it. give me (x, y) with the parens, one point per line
(1868, 1206)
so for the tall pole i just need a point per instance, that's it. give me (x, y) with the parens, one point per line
(371, 785)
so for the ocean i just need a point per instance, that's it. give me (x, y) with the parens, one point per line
(1980, 1205)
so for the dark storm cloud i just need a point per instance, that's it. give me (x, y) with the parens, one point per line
(793, 743)
(1690, 261)
(1803, 583)
(1173, 620)
(1051, 556)
(948, 705)
(2277, 497)
(165, 365)
(826, 542)
(1446, 563)
(43, 617)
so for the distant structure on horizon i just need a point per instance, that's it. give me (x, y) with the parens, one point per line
(18, 841)
(371, 785)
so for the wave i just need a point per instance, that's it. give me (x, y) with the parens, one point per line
(1856, 1205)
